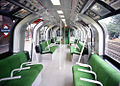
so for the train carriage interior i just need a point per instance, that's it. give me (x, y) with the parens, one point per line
(59, 42)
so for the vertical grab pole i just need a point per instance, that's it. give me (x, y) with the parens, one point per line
(60, 31)
(83, 47)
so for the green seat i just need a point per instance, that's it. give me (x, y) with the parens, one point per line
(43, 45)
(77, 74)
(105, 73)
(53, 48)
(12, 62)
(45, 48)
(49, 42)
(27, 78)
(74, 50)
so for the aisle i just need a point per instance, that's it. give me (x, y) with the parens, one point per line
(58, 72)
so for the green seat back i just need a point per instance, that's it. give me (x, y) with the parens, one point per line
(55, 39)
(49, 42)
(43, 45)
(10, 63)
(105, 73)
(80, 45)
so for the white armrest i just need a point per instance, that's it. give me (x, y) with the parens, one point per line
(33, 64)
(28, 63)
(46, 51)
(86, 71)
(14, 77)
(10, 78)
(91, 81)
(21, 66)
(84, 65)
(19, 69)
(47, 48)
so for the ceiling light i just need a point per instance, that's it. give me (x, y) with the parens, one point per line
(65, 23)
(60, 11)
(63, 19)
(62, 16)
(55, 2)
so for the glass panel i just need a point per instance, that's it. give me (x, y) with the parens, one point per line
(21, 13)
(112, 25)
(113, 3)
(100, 10)
(5, 27)
(6, 6)
(90, 13)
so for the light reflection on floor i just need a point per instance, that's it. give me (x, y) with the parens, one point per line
(58, 72)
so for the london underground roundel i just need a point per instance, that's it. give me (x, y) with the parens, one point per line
(5, 30)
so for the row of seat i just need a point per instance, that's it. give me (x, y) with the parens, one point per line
(98, 72)
(73, 42)
(16, 70)
(47, 47)
(77, 49)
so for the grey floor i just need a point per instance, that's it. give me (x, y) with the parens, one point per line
(58, 71)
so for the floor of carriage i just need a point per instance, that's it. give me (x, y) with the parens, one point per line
(58, 71)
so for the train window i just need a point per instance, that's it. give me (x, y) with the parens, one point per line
(92, 14)
(112, 25)
(99, 9)
(5, 27)
(6, 6)
(113, 3)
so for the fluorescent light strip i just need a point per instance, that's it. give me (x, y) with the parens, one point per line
(65, 23)
(55, 2)
(63, 19)
(60, 11)
(62, 16)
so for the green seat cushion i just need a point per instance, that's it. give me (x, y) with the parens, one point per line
(27, 78)
(74, 50)
(53, 48)
(10, 63)
(105, 73)
(77, 74)
(37, 67)
(49, 50)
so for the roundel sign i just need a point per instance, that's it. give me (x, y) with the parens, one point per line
(5, 30)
